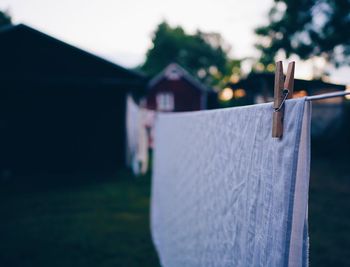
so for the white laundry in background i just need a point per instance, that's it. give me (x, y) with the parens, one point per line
(143, 144)
(225, 193)
(137, 125)
(132, 126)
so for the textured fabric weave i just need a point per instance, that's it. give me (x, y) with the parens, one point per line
(224, 191)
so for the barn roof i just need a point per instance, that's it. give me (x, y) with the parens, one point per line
(175, 71)
(28, 53)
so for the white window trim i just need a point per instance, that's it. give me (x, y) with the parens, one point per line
(165, 101)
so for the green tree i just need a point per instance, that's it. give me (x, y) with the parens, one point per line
(307, 28)
(5, 18)
(202, 54)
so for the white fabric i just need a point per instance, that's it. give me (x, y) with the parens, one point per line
(142, 148)
(137, 137)
(224, 191)
(132, 125)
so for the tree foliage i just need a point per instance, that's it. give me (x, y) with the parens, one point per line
(202, 54)
(5, 18)
(307, 28)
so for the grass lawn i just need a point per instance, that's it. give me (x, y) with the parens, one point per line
(76, 223)
(105, 222)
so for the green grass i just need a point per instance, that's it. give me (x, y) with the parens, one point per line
(80, 223)
(105, 222)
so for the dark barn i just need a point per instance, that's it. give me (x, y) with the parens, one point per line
(62, 109)
(175, 89)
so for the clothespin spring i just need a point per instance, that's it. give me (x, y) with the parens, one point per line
(285, 96)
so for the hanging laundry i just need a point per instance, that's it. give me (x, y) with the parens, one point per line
(132, 124)
(143, 143)
(225, 193)
(138, 137)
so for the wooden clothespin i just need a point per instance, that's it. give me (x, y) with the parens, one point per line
(283, 91)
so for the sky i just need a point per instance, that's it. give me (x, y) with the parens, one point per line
(121, 30)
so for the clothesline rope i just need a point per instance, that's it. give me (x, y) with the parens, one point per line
(329, 95)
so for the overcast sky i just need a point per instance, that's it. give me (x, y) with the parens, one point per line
(120, 30)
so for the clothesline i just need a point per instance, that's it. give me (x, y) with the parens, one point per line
(329, 95)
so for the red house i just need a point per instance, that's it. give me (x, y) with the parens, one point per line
(174, 89)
